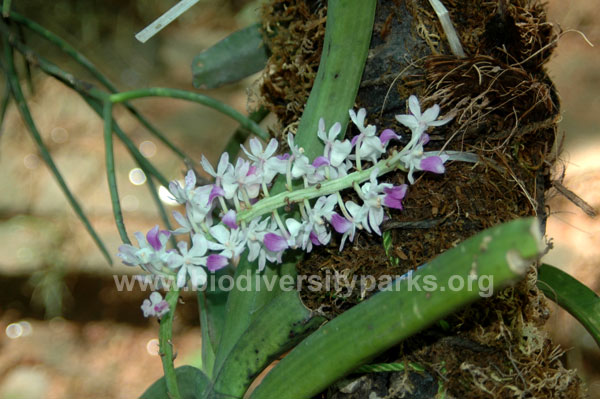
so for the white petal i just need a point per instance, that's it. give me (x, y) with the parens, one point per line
(190, 180)
(271, 148)
(207, 166)
(321, 130)
(155, 298)
(408, 120)
(334, 131)
(181, 276)
(223, 164)
(339, 152)
(199, 245)
(256, 147)
(431, 114)
(362, 114)
(293, 226)
(413, 105)
(220, 233)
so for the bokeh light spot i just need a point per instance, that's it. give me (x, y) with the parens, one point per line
(137, 176)
(147, 148)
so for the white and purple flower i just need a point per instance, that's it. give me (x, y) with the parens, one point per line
(155, 306)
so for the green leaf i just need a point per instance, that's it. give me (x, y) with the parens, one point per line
(15, 86)
(238, 55)
(347, 37)
(95, 72)
(345, 48)
(259, 288)
(217, 105)
(502, 254)
(191, 381)
(213, 309)
(573, 296)
(280, 325)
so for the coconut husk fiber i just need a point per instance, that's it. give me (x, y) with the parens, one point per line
(505, 109)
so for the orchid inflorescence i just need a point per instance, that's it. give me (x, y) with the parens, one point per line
(248, 213)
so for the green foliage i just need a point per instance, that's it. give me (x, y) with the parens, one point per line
(276, 328)
(192, 382)
(575, 297)
(503, 252)
(238, 55)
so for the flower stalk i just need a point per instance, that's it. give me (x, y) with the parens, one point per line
(250, 215)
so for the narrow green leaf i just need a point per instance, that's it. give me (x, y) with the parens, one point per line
(6, 8)
(28, 119)
(193, 97)
(4, 106)
(90, 67)
(110, 172)
(191, 380)
(93, 97)
(279, 325)
(499, 255)
(237, 56)
(570, 294)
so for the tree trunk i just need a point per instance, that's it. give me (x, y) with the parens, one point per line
(505, 110)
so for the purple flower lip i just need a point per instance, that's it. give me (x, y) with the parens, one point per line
(153, 237)
(320, 161)
(314, 238)
(340, 224)
(275, 243)
(230, 219)
(283, 156)
(354, 139)
(387, 135)
(161, 307)
(433, 164)
(397, 192)
(216, 262)
(215, 192)
(251, 170)
(394, 196)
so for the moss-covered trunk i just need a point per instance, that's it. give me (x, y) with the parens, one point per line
(505, 109)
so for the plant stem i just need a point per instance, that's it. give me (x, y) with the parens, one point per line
(165, 337)
(194, 97)
(266, 205)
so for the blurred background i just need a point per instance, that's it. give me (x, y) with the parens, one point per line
(65, 331)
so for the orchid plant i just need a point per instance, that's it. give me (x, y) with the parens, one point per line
(264, 209)
(237, 212)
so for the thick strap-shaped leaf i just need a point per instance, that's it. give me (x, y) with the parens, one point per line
(573, 296)
(499, 255)
(191, 381)
(279, 326)
(213, 307)
(238, 55)
(253, 291)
